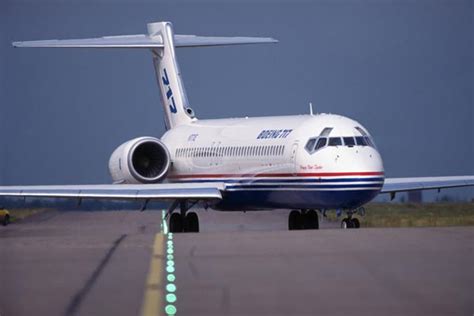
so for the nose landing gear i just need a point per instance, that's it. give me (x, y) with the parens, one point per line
(304, 219)
(352, 222)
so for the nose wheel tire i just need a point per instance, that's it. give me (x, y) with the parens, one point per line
(356, 223)
(350, 223)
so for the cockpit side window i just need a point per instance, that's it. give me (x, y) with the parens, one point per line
(310, 145)
(321, 143)
(366, 137)
(361, 141)
(315, 144)
(335, 141)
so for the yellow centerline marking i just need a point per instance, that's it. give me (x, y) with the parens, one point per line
(155, 288)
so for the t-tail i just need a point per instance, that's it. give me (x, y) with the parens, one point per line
(162, 42)
(173, 96)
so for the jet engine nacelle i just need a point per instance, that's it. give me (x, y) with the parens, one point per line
(140, 160)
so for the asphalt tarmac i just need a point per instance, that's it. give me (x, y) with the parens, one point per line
(119, 263)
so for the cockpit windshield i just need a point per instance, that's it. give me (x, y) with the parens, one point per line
(316, 143)
(335, 141)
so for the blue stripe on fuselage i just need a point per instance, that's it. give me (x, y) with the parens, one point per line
(286, 180)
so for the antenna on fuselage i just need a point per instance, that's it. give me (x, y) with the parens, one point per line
(311, 108)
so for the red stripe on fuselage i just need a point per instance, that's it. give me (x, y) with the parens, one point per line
(278, 175)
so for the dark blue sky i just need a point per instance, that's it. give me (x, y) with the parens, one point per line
(404, 69)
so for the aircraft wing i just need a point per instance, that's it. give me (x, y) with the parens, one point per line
(160, 191)
(393, 185)
(144, 41)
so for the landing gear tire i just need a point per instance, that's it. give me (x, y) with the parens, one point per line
(191, 223)
(311, 220)
(350, 223)
(355, 223)
(303, 220)
(176, 223)
(295, 220)
(347, 223)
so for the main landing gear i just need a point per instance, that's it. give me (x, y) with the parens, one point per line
(183, 221)
(304, 219)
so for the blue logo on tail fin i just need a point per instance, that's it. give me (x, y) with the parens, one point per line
(169, 93)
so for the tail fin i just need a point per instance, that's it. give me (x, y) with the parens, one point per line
(162, 41)
(173, 96)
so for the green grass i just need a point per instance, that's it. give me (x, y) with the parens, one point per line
(22, 213)
(416, 215)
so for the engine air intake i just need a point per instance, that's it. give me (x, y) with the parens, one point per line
(147, 159)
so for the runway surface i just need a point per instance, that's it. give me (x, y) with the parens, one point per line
(119, 263)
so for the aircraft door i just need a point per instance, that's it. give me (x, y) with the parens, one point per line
(216, 154)
(294, 152)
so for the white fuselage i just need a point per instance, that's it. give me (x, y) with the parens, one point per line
(266, 162)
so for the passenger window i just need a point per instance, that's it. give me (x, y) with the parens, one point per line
(335, 141)
(321, 143)
(349, 141)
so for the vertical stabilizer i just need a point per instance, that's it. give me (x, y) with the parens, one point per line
(173, 96)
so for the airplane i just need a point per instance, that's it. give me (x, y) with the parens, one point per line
(304, 163)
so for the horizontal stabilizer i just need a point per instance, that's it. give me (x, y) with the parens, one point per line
(145, 41)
